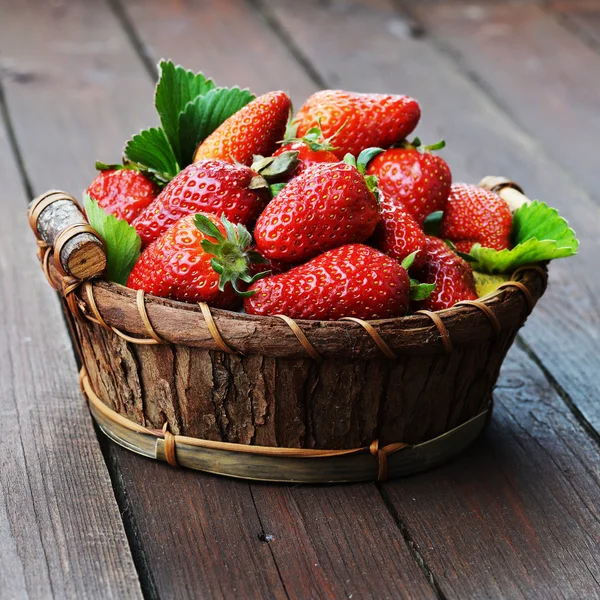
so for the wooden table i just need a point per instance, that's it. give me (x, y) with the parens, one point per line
(514, 89)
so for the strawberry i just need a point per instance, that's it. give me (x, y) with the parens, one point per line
(420, 180)
(397, 234)
(209, 186)
(328, 205)
(474, 215)
(122, 192)
(307, 156)
(254, 129)
(452, 276)
(350, 281)
(200, 259)
(312, 148)
(367, 119)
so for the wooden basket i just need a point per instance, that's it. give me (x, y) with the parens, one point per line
(270, 398)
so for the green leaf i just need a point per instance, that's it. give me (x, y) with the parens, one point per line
(123, 244)
(539, 234)
(203, 114)
(420, 291)
(365, 157)
(207, 227)
(177, 87)
(276, 167)
(276, 188)
(433, 223)
(409, 260)
(150, 151)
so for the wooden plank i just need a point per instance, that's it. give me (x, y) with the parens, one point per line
(61, 534)
(233, 533)
(517, 517)
(582, 17)
(481, 141)
(164, 508)
(230, 43)
(537, 70)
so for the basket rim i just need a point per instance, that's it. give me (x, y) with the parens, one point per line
(271, 336)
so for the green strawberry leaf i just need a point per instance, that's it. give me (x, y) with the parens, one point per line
(150, 151)
(100, 166)
(203, 114)
(276, 188)
(420, 291)
(409, 260)
(123, 244)
(539, 233)
(275, 167)
(433, 223)
(176, 87)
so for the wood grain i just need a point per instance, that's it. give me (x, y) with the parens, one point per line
(83, 256)
(178, 322)
(572, 302)
(516, 517)
(290, 403)
(259, 60)
(582, 17)
(513, 52)
(264, 541)
(481, 140)
(61, 534)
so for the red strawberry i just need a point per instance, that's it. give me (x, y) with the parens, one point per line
(307, 156)
(254, 129)
(210, 186)
(123, 193)
(312, 148)
(328, 205)
(358, 121)
(452, 276)
(474, 215)
(420, 180)
(350, 281)
(200, 259)
(398, 234)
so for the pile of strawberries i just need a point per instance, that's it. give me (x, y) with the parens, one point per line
(321, 216)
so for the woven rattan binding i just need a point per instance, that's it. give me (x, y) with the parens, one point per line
(439, 323)
(311, 351)
(300, 336)
(171, 440)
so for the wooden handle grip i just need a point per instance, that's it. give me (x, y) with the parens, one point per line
(56, 218)
(508, 190)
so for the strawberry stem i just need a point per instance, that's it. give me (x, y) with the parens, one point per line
(231, 253)
(313, 138)
(416, 144)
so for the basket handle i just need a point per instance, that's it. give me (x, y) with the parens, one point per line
(508, 190)
(59, 225)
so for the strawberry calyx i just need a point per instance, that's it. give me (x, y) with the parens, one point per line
(100, 166)
(360, 163)
(232, 253)
(274, 168)
(416, 144)
(313, 138)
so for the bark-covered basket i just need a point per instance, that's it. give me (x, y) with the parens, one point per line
(270, 398)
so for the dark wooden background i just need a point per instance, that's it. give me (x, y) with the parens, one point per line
(514, 88)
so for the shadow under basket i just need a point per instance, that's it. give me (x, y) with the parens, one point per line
(272, 399)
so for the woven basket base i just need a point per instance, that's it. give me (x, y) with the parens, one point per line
(280, 464)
